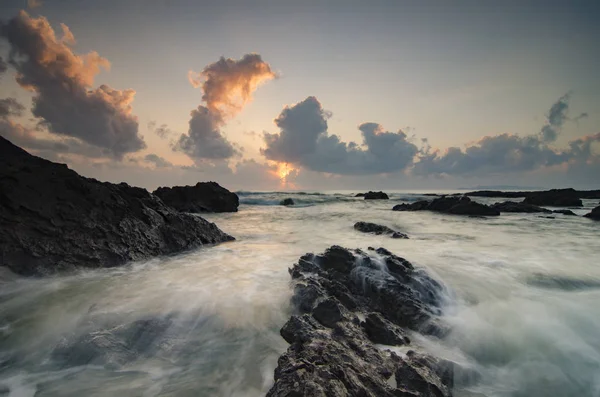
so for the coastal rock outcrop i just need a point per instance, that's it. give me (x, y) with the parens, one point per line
(373, 228)
(333, 352)
(287, 201)
(511, 206)
(52, 219)
(595, 214)
(454, 205)
(376, 196)
(555, 198)
(202, 197)
(582, 194)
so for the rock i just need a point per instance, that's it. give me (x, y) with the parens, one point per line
(287, 201)
(522, 207)
(454, 205)
(595, 214)
(555, 198)
(373, 228)
(565, 212)
(332, 353)
(203, 197)
(359, 195)
(376, 196)
(582, 194)
(56, 220)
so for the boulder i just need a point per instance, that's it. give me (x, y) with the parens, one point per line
(333, 353)
(287, 201)
(565, 212)
(52, 219)
(512, 206)
(555, 198)
(376, 196)
(202, 197)
(595, 214)
(359, 195)
(455, 205)
(373, 228)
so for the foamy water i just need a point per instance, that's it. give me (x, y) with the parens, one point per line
(524, 312)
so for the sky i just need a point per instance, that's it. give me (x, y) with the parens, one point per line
(290, 95)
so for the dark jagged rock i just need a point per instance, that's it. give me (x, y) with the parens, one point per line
(555, 198)
(595, 214)
(511, 206)
(454, 205)
(565, 212)
(373, 228)
(287, 201)
(52, 219)
(359, 195)
(333, 353)
(582, 194)
(203, 197)
(376, 196)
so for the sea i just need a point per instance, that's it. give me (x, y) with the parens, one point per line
(523, 303)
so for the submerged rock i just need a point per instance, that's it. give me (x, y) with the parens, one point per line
(565, 212)
(373, 228)
(595, 214)
(287, 201)
(376, 196)
(55, 220)
(333, 353)
(202, 197)
(511, 206)
(555, 198)
(450, 205)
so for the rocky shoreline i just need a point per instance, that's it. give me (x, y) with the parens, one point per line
(346, 305)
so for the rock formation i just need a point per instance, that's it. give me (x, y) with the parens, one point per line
(52, 219)
(202, 197)
(373, 228)
(454, 205)
(595, 214)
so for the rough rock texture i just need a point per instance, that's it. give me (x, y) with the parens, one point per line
(376, 196)
(555, 198)
(287, 201)
(595, 214)
(333, 353)
(52, 219)
(203, 197)
(511, 206)
(450, 205)
(373, 228)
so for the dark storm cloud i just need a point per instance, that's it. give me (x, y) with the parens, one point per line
(227, 85)
(10, 107)
(158, 161)
(62, 85)
(3, 66)
(304, 140)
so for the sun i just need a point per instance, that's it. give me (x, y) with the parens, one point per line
(283, 170)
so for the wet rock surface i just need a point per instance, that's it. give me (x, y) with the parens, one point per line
(52, 219)
(333, 353)
(375, 196)
(454, 205)
(202, 197)
(373, 228)
(594, 214)
(287, 201)
(511, 206)
(555, 198)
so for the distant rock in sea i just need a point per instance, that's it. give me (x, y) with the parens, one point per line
(450, 205)
(346, 303)
(375, 196)
(373, 228)
(202, 197)
(540, 196)
(595, 214)
(287, 201)
(511, 206)
(53, 219)
(555, 198)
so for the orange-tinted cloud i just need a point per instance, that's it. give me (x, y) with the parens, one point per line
(62, 85)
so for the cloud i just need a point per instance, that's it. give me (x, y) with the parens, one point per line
(3, 66)
(204, 139)
(227, 85)
(62, 85)
(163, 131)
(10, 107)
(158, 161)
(32, 4)
(304, 141)
(557, 116)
